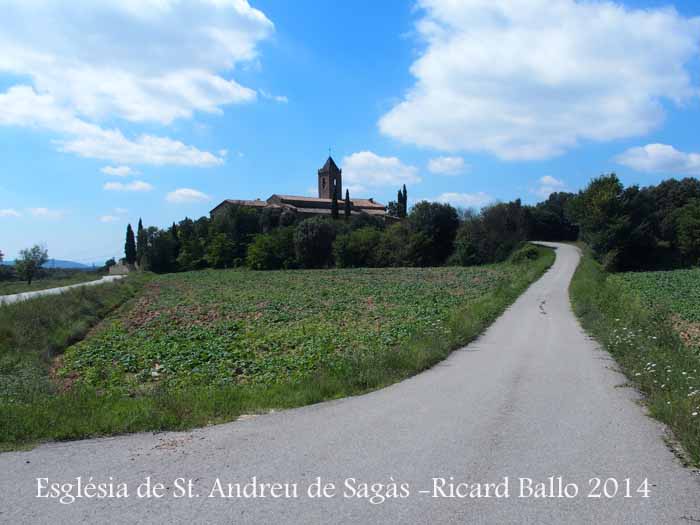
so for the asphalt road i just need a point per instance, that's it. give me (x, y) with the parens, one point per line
(15, 298)
(533, 397)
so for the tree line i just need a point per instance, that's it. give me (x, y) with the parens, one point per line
(627, 228)
(429, 234)
(656, 227)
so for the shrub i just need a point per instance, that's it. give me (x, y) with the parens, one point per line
(524, 254)
(272, 251)
(313, 242)
(358, 248)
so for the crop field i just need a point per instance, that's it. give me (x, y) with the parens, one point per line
(13, 287)
(219, 327)
(190, 349)
(677, 292)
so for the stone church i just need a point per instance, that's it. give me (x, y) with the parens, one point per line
(330, 179)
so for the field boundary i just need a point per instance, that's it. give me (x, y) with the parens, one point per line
(646, 347)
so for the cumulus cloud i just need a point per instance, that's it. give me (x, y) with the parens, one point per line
(547, 186)
(146, 61)
(367, 169)
(137, 185)
(163, 59)
(660, 158)
(186, 195)
(9, 212)
(530, 79)
(109, 218)
(22, 106)
(465, 200)
(118, 171)
(446, 165)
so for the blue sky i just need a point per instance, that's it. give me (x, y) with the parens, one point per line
(160, 109)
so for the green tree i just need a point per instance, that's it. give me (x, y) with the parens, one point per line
(130, 246)
(393, 209)
(358, 248)
(438, 223)
(141, 244)
(348, 205)
(313, 242)
(220, 252)
(688, 231)
(335, 212)
(273, 250)
(240, 224)
(404, 202)
(30, 262)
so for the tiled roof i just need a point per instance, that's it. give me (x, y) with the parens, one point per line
(357, 203)
(256, 202)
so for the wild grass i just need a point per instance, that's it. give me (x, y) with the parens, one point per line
(13, 287)
(89, 410)
(642, 339)
(34, 332)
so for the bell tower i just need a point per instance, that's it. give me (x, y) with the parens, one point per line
(330, 180)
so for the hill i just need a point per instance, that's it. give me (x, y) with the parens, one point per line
(60, 263)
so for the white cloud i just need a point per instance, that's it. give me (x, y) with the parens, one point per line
(548, 185)
(446, 165)
(121, 211)
(9, 212)
(530, 79)
(367, 169)
(277, 98)
(147, 61)
(660, 158)
(465, 200)
(146, 149)
(137, 185)
(109, 218)
(46, 213)
(118, 171)
(185, 195)
(22, 106)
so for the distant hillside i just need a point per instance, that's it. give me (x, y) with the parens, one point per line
(59, 263)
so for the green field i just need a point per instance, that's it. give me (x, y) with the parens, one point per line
(645, 320)
(13, 287)
(220, 327)
(196, 348)
(677, 292)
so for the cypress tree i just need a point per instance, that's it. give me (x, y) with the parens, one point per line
(348, 206)
(404, 201)
(334, 204)
(140, 243)
(130, 246)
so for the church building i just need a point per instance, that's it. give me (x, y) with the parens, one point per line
(330, 180)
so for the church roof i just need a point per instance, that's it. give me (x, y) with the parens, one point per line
(330, 165)
(357, 203)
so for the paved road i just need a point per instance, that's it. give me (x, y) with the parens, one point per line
(15, 298)
(533, 397)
